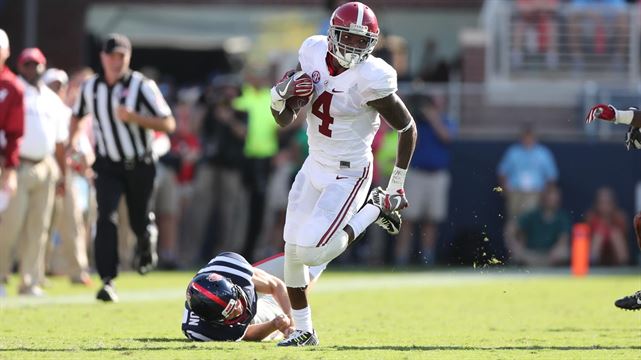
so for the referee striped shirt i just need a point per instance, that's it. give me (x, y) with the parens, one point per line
(115, 139)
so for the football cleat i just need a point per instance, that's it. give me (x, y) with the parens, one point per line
(146, 255)
(300, 338)
(632, 302)
(107, 294)
(389, 220)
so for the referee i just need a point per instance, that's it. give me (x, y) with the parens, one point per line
(126, 108)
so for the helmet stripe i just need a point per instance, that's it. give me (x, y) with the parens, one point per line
(361, 11)
(209, 294)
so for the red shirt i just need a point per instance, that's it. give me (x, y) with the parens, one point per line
(11, 115)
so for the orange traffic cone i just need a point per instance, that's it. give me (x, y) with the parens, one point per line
(580, 249)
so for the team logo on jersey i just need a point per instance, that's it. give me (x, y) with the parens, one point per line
(316, 76)
(214, 277)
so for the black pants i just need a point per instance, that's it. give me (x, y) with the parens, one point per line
(136, 182)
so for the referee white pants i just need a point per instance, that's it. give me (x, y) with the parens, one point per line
(321, 202)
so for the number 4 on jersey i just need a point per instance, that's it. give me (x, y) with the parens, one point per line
(320, 109)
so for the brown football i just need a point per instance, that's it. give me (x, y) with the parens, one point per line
(297, 102)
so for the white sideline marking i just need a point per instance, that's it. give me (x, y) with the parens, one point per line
(357, 283)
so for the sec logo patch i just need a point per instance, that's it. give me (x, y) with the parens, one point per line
(316, 76)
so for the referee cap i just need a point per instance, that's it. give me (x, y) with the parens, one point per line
(116, 43)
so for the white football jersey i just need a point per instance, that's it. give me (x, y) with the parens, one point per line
(341, 126)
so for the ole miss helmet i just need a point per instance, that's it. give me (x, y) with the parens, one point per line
(213, 298)
(358, 19)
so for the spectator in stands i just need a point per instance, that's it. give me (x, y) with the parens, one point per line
(541, 237)
(433, 68)
(186, 145)
(68, 219)
(29, 210)
(524, 171)
(429, 180)
(261, 145)
(218, 217)
(605, 24)
(609, 230)
(535, 31)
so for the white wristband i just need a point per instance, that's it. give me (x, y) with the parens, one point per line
(396, 180)
(278, 103)
(624, 117)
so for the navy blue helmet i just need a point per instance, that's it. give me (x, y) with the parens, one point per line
(217, 300)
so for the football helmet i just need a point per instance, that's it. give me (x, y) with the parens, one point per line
(354, 18)
(213, 298)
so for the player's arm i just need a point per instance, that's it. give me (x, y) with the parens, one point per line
(294, 83)
(257, 332)
(269, 284)
(605, 112)
(394, 111)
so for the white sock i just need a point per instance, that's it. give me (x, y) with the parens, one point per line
(364, 218)
(303, 319)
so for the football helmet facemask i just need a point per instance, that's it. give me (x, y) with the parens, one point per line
(357, 19)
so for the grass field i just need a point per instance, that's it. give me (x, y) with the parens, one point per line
(358, 315)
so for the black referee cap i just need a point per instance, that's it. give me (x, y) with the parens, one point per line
(116, 43)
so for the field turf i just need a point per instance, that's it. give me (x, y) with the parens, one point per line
(471, 314)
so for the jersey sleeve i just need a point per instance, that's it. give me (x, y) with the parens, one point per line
(380, 80)
(14, 124)
(153, 100)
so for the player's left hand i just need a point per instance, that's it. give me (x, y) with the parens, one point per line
(282, 323)
(124, 114)
(295, 84)
(601, 112)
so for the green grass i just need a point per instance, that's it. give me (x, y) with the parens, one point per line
(358, 315)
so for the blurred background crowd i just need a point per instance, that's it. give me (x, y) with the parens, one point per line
(504, 164)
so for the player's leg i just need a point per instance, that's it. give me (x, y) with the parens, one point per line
(324, 235)
(109, 188)
(301, 201)
(297, 280)
(632, 302)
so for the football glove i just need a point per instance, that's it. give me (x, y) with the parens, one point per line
(633, 138)
(609, 113)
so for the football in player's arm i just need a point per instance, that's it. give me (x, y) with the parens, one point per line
(632, 118)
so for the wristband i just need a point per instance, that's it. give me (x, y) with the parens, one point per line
(623, 117)
(396, 180)
(278, 103)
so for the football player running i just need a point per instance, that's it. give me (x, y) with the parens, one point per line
(348, 88)
(632, 118)
(231, 300)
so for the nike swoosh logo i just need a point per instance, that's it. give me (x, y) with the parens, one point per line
(282, 94)
(337, 91)
(340, 177)
(638, 301)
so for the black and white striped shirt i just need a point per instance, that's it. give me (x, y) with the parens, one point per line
(115, 139)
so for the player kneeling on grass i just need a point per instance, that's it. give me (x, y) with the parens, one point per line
(632, 118)
(231, 300)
